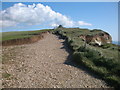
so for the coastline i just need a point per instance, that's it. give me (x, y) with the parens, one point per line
(116, 42)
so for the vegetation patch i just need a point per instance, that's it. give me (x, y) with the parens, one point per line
(22, 37)
(21, 34)
(102, 60)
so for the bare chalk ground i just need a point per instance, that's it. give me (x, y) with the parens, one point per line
(42, 65)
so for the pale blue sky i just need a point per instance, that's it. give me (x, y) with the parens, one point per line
(102, 15)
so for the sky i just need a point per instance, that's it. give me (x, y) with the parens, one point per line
(17, 16)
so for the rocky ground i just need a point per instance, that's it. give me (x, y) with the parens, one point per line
(44, 64)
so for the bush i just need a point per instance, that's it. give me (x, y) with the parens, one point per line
(113, 81)
(106, 62)
(101, 71)
(116, 70)
(87, 63)
(68, 39)
(75, 47)
(77, 56)
(90, 53)
(81, 49)
(69, 42)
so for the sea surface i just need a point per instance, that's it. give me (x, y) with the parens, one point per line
(116, 42)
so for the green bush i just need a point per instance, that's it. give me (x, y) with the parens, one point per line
(77, 56)
(101, 71)
(75, 47)
(106, 62)
(113, 81)
(69, 42)
(87, 63)
(92, 54)
(116, 70)
(81, 49)
(68, 39)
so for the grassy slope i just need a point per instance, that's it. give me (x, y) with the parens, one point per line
(20, 34)
(106, 65)
(73, 34)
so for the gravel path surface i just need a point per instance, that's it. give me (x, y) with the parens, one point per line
(46, 64)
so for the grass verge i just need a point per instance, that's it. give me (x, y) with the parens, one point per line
(21, 34)
(103, 61)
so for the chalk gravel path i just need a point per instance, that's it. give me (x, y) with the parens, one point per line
(41, 65)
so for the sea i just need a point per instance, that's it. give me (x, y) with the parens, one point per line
(116, 42)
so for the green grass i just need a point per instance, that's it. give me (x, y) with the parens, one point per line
(102, 60)
(20, 34)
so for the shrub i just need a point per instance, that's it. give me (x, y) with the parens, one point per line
(92, 54)
(87, 63)
(70, 41)
(102, 71)
(63, 36)
(77, 56)
(116, 70)
(106, 62)
(113, 80)
(81, 49)
(75, 47)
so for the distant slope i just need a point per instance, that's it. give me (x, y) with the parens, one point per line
(22, 37)
(20, 34)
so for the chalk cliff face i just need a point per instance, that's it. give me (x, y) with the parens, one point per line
(99, 39)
